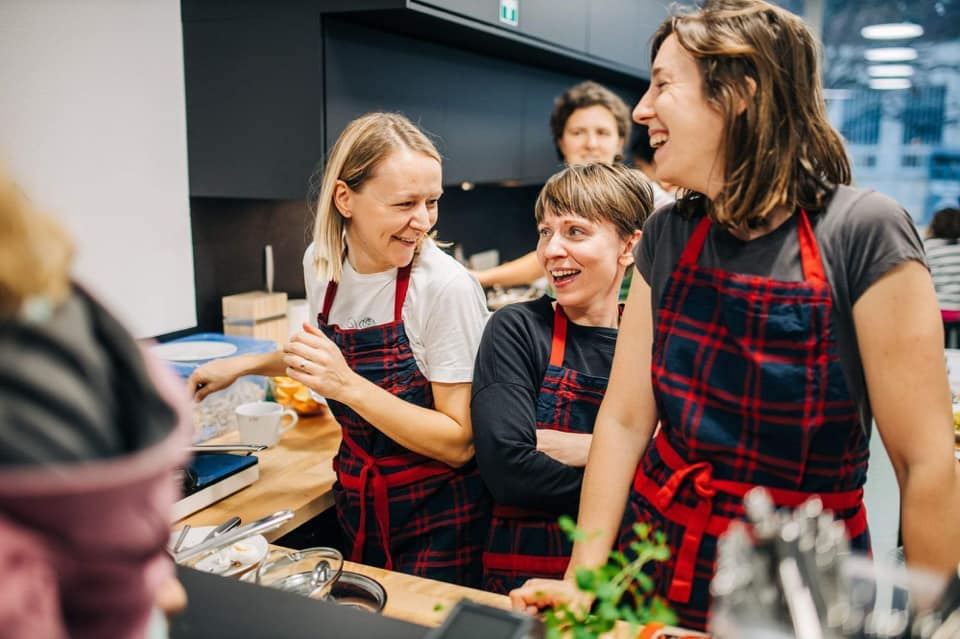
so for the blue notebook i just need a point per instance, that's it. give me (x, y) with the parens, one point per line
(209, 468)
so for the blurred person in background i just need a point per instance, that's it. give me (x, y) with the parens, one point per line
(543, 365)
(589, 123)
(642, 155)
(942, 245)
(91, 431)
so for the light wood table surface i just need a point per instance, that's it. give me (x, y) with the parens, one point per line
(297, 474)
(423, 601)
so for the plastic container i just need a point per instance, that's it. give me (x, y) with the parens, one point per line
(214, 415)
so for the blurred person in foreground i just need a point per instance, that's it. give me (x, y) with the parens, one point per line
(778, 312)
(91, 430)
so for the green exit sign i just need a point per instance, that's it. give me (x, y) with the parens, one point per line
(510, 12)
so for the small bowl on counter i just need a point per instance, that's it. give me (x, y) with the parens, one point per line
(318, 573)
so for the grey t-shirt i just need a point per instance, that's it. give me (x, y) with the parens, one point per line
(861, 235)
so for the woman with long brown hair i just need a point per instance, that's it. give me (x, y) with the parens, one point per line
(778, 313)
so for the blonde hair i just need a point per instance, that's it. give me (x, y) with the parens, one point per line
(35, 252)
(599, 192)
(364, 143)
(781, 149)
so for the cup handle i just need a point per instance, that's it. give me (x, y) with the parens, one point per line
(294, 418)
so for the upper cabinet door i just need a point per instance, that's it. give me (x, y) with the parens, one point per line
(563, 23)
(254, 105)
(620, 30)
(484, 10)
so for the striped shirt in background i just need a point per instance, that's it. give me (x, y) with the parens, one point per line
(943, 258)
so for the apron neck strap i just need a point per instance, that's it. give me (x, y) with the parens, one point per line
(559, 344)
(809, 251)
(403, 284)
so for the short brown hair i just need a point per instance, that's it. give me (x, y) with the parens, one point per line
(598, 192)
(781, 149)
(362, 145)
(945, 224)
(584, 95)
(35, 252)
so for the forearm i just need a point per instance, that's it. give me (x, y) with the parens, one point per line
(613, 459)
(518, 272)
(269, 364)
(422, 430)
(530, 479)
(930, 510)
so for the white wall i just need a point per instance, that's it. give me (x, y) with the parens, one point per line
(93, 127)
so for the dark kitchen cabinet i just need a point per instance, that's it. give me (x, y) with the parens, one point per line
(472, 105)
(254, 91)
(620, 30)
(550, 34)
(560, 23)
(483, 10)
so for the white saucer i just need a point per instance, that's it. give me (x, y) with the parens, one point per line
(228, 561)
(193, 351)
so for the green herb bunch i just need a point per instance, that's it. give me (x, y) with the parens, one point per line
(620, 589)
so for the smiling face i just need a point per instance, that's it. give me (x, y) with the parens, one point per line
(685, 129)
(392, 212)
(590, 135)
(585, 261)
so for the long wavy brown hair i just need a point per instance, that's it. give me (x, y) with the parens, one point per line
(781, 149)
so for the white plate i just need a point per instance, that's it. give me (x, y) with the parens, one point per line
(193, 351)
(228, 561)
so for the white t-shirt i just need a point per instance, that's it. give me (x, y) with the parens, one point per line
(444, 312)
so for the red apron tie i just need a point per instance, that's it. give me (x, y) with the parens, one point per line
(374, 484)
(701, 518)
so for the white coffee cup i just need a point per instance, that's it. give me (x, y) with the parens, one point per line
(260, 423)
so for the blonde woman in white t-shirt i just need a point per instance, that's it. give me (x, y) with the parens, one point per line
(398, 323)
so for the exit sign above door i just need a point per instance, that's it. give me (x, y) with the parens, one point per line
(510, 12)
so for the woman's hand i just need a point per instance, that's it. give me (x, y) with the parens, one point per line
(567, 448)
(213, 376)
(312, 359)
(537, 594)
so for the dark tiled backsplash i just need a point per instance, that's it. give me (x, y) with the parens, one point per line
(229, 236)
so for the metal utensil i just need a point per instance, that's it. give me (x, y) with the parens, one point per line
(265, 524)
(225, 448)
(180, 538)
(226, 526)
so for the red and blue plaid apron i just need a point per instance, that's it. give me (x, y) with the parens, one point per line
(525, 543)
(749, 392)
(398, 509)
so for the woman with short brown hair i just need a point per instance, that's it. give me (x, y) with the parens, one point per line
(543, 365)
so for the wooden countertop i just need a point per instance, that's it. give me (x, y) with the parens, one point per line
(423, 601)
(297, 474)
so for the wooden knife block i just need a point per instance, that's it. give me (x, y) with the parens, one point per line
(256, 314)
